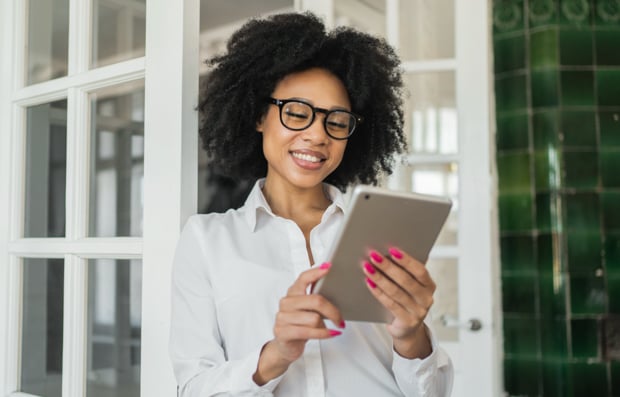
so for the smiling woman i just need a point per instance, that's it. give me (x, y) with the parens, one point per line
(324, 115)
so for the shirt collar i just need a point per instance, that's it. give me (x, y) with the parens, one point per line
(256, 205)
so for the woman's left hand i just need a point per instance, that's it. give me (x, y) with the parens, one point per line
(404, 286)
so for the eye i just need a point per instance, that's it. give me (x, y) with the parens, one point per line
(298, 111)
(335, 124)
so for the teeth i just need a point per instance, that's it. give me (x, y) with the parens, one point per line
(306, 157)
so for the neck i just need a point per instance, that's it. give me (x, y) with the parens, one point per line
(292, 202)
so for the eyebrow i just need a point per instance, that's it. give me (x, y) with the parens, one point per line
(309, 102)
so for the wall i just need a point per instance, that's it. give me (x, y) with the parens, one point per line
(557, 86)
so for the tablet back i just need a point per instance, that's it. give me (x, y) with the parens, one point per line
(378, 219)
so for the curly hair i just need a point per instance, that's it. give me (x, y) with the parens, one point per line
(261, 53)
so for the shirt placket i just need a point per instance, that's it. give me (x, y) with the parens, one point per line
(313, 366)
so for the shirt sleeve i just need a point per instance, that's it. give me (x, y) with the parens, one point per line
(196, 351)
(429, 377)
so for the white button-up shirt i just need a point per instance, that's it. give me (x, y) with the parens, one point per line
(230, 271)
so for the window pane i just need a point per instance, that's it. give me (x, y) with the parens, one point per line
(114, 327)
(445, 274)
(365, 15)
(426, 29)
(440, 180)
(46, 168)
(430, 113)
(118, 31)
(48, 40)
(117, 161)
(42, 326)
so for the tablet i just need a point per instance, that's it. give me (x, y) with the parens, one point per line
(378, 219)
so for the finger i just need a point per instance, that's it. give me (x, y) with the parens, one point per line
(308, 277)
(389, 284)
(412, 314)
(301, 318)
(416, 268)
(296, 332)
(312, 303)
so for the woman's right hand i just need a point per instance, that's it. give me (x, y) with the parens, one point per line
(299, 318)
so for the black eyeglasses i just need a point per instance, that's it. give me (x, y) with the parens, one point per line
(298, 115)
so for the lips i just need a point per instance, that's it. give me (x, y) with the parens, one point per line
(312, 157)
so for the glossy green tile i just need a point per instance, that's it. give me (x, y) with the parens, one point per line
(610, 340)
(548, 212)
(545, 129)
(576, 47)
(515, 212)
(587, 379)
(578, 129)
(580, 170)
(514, 172)
(607, 15)
(582, 212)
(552, 301)
(614, 370)
(576, 13)
(585, 336)
(509, 53)
(512, 131)
(609, 124)
(610, 208)
(544, 88)
(507, 16)
(554, 378)
(522, 377)
(587, 295)
(519, 294)
(544, 49)
(612, 254)
(606, 47)
(547, 170)
(577, 88)
(608, 87)
(550, 255)
(613, 286)
(584, 252)
(510, 93)
(521, 337)
(517, 253)
(554, 340)
(542, 13)
(610, 166)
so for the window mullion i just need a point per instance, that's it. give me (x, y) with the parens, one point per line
(74, 327)
(79, 36)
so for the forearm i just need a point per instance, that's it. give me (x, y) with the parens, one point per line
(270, 365)
(416, 345)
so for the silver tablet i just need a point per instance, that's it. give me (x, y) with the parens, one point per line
(378, 219)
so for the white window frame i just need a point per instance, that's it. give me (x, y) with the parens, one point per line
(170, 70)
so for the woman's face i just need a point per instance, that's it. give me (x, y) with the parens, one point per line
(303, 159)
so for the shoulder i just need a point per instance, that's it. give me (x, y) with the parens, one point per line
(215, 223)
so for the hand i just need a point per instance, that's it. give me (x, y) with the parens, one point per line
(404, 286)
(299, 318)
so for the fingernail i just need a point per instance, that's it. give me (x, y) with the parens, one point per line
(395, 252)
(325, 265)
(376, 257)
(333, 332)
(342, 324)
(371, 283)
(369, 268)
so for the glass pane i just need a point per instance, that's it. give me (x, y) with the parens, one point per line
(365, 15)
(426, 29)
(114, 327)
(117, 160)
(46, 169)
(431, 118)
(48, 40)
(42, 321)
(119, 31)
(445, 274)
(440, 180)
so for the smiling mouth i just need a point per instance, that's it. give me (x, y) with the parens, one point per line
(307, 157)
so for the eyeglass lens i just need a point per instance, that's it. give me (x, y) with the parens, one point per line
(298, 115)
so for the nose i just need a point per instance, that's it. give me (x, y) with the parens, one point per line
(316, 131)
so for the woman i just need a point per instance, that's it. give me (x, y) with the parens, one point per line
(308, 113)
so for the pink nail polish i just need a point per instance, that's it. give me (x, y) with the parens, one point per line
(369, 268)
(376, 257)
(342, 324)
(333, 332)
(325, 265)
(371, 283)
(395, 252)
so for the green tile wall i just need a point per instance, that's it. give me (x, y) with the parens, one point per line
(557, 90)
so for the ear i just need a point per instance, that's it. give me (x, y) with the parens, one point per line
(259, 124)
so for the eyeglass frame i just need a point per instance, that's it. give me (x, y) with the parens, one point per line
(281, 102)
